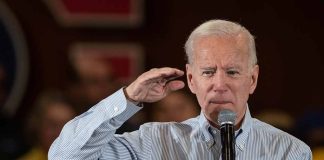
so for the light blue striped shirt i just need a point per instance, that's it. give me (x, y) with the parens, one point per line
(92, 136)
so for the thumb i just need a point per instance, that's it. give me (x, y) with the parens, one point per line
(175, 85)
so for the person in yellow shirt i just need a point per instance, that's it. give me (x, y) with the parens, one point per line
(50, 114)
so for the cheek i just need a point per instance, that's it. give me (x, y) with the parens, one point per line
(242, 91)
(202, 89)
(200, 100)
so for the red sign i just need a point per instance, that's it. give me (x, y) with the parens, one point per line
(124, 13)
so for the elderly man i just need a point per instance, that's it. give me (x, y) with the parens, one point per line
(222, 71)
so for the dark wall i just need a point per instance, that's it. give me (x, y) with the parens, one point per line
(288, 38)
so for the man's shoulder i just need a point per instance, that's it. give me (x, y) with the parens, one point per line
(277, 137)
(272, 132)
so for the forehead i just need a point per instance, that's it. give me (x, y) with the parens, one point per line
(227, 50)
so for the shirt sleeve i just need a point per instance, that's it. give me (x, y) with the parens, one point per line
(308, 154)
(87, 134)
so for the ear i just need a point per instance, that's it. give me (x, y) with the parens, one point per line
(189, 70)
(254, 78)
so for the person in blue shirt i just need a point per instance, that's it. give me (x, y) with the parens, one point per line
(222, 72)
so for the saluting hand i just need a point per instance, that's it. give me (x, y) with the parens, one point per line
(154, 85)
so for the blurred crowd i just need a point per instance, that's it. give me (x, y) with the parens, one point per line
(92, 81)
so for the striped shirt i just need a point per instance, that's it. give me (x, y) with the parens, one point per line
(92, 136)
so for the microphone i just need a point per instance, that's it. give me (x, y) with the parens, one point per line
(226, 121)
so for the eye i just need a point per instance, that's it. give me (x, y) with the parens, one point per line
(208, 73)
(232, 72)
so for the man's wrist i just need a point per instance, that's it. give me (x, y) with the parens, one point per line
(130, 99)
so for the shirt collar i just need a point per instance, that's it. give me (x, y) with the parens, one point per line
(245, 130)
(205, 135)
(241, 134)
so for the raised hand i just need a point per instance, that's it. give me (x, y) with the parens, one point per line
(154, 85)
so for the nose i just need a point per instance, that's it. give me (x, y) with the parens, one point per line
(220, 82)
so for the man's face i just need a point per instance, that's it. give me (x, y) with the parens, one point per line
(220, 75)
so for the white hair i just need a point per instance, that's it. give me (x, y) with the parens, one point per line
(220, 28)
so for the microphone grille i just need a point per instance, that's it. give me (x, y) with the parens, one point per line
(226, 116)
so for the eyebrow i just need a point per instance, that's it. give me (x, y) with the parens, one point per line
(208, 68)
(235, 67)
(215, 68)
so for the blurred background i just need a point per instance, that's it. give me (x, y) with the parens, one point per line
(72, 53)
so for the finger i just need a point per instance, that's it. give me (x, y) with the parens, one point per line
(168, 73)
(174, 85)
(162, 74)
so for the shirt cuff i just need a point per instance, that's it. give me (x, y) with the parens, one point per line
(117, 108)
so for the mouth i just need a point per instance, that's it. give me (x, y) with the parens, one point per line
(220, 102)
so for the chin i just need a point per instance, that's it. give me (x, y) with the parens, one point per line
(219, 107)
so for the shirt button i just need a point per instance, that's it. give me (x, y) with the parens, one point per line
(210, 144)
(115, 109)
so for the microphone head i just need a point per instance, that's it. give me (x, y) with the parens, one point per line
(226, 116)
